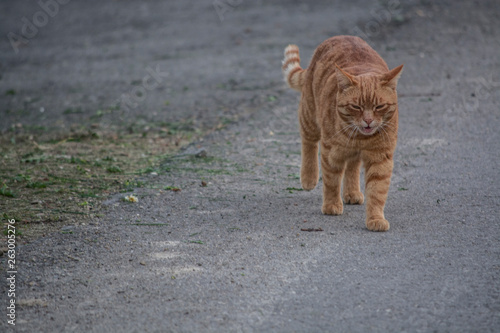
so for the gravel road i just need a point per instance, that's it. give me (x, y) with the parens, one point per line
(227, 253)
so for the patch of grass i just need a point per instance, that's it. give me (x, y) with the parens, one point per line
(47, 179)
(172, 188)
(20, 177)
(33, 159)
(37, 185)
(240, 168)
(114, 169)
(88, 194)
(17, 232)
(271, 98)
(77, 160)
(35, 128)
(291, 189)
(195, 242)
(130, 185)
(6, 191)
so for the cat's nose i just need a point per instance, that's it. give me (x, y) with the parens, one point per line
(368, 121)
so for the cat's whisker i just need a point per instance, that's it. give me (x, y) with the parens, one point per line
(351, 135)
(389, 125)
(348, 131)
(348, 127)
(387, 139)
(383, 132)
(344, 130)
(390, 128)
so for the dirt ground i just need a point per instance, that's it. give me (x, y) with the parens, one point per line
(215, 242)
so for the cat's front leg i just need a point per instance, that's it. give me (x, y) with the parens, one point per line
(333, 171)
(352, 194)
(378, 171)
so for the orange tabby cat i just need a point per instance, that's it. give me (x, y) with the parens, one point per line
(349, 105)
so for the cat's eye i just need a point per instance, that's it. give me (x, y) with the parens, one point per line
(355, 107)
(380, 107)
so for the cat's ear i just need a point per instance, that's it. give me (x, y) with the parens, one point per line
(390, 79)
(345, 80)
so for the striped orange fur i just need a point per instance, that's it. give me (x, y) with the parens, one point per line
(349, 108)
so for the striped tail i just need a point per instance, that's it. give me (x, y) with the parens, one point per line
(292, 72)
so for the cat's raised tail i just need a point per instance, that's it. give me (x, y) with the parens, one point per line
(293, 74)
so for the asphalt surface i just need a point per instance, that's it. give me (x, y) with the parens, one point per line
(227, 253)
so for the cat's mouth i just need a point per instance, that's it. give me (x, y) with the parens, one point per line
(367, 130)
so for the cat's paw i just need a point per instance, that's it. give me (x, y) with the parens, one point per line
(331, 209)
(377, 225)
(308, 184)
(354, 198)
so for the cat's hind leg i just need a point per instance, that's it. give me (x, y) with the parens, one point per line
(333, 171)
(309, 170)
(351, 192)
(310, 134)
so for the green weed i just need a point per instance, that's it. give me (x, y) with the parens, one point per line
(6, 191)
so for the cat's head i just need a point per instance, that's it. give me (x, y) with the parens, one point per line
(367, 102)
